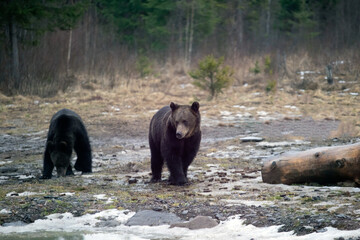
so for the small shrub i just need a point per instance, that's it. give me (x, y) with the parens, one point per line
(143, 66)
(256, 69)
(212, 76)
(271, 86)
(268, 69)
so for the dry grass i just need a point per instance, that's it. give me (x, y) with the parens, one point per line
(125, 98)
(346, 130)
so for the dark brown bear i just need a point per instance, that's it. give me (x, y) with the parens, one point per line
(66, 132)
(174, 137)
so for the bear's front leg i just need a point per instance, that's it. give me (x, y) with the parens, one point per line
(48, 165)
(177, 176)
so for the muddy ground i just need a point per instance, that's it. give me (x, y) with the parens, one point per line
(225, 178)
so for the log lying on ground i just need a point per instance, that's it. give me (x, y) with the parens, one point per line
(325, 165)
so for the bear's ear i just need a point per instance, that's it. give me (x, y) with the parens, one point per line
(173, 106)
(195, 106)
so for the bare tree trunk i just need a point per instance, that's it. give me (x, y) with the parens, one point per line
(68, 55)
(187, 27)
(87, 28)
(94, 40)
(329, 74)
(191, 33)
(15, 72)
(268, 16)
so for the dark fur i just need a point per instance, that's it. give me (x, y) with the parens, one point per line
(174, 137)
(66, 132)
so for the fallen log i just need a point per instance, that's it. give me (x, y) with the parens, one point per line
(324, 165)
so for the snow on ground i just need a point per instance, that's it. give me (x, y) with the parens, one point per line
(87, 227)
(23, 194)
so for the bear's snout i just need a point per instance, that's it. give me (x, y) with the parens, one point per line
(61, 171)
(181, 131)
(179, 135)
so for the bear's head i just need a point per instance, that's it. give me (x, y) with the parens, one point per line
(185, 119)
(60, 155)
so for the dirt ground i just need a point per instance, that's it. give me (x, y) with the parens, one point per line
(225, 178)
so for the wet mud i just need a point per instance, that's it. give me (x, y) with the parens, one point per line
(225, 178)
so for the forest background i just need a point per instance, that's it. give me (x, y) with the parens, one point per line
(49, 46)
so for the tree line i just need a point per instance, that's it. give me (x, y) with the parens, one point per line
(46, 44)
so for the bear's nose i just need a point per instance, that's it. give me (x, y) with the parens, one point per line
(179, 135)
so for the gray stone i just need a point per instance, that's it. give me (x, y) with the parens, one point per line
(14, 224)
(108, 223)
(199, 222)
(152, 218)
(8, 169)
(251, 139)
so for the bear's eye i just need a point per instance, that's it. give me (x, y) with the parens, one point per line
(185, 122)
(177, 122)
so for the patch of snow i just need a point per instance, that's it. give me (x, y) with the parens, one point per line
(23, 194)
(354, 94)
(67, 194)
(232, 228)
(262, 113)
(22, 177)
(100, 196)
(287, 132)
(5, 162)
(338, 62)
(225, 113)
(232, 202)
(291, 107)
(344, 189)
(282, 144)
(239, 106)
(115, 108)
(5, 211)
(226, 154)
(357, 211)
(333, 209)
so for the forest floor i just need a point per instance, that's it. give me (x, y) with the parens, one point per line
(225, 178)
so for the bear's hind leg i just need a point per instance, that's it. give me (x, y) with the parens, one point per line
(157, 163)
(83, 151)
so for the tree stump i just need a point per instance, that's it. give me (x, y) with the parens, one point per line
(324, 165)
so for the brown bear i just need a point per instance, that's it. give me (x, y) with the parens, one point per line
(174, 137)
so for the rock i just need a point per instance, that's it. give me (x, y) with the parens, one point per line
(251, 139)
(8, 169)
(199, 222)
(132, 180)
(184, 212)
(108, 223)
(14, 224)
(157, 209)
(152, 218)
